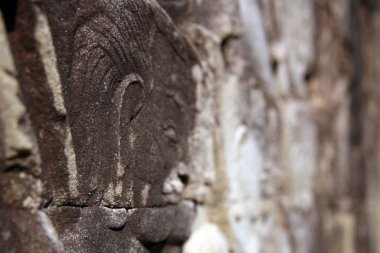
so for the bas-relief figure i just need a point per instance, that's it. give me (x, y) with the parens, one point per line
(129, 96)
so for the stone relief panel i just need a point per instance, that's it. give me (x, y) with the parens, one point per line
(114, 140)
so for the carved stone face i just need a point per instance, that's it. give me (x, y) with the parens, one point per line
(130, 104)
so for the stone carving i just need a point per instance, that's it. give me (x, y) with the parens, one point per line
(125, 75)
(129, 83)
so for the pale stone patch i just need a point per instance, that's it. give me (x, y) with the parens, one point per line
(71, 165)
(207, 239)
(46, 49)
(145, 194)
(50, 231)
(12, 109)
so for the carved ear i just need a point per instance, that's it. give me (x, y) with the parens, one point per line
(128, 100)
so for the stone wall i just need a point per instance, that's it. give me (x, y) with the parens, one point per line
(189, 126)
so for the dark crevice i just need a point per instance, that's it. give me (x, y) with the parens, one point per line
(117, 228)
(110, 207)
(48, 202)
(156, 247)
(8, 10)
(309, 74)
(226, 47)
(9, 73)
(60, 117)
(226, 41)
(274, 65)
(184, 179)
(16, 168)
(21, 154)
(73, 205)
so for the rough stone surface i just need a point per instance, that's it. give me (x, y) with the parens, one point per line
(124, 74)
(23, 228)
(113, 103)
(189, 126)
